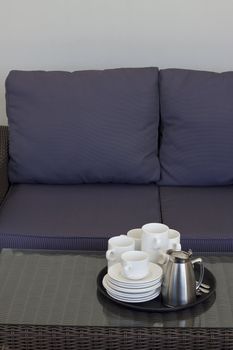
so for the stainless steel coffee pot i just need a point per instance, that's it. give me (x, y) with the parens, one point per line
(179, 284)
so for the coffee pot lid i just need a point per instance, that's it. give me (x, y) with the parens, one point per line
(180, 255)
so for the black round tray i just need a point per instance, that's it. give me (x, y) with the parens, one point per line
(156, 304)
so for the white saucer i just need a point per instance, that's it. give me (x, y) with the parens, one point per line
(130, 288)
(154, 275)
(133, 286)
(125, 293)
(136, 300)
(132, 296)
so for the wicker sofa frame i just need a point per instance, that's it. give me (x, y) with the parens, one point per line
(4, 144)
(108, 338)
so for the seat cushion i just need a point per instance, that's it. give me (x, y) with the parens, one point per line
(83, 127)
(197, 128)
(75, 216)
(203, 215)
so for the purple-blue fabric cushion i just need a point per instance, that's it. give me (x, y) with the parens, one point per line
(196, 128)
(202, 215)
(83, 127)
(74, 216)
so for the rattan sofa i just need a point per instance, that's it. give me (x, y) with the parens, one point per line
(56, 193)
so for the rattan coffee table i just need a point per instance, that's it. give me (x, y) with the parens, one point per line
(49, 300)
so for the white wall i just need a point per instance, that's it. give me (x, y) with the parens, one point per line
(82, 34)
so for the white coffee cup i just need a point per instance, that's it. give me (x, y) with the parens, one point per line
(135, 264)
(136, 234)
(174, 240)
(116, 246)
(173, 243)
(154, 240)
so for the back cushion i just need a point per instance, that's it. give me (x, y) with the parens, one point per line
(83, 127)
(196, 127)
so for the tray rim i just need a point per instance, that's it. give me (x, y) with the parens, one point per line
(165, 309)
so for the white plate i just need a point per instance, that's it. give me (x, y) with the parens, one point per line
(136, 300)
(126, 294)
(129, 289)
(154, 275)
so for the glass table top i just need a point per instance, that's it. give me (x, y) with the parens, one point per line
(59, 288)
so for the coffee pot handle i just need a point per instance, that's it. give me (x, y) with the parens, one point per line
(199, 260)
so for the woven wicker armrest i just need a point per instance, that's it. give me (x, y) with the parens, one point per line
(4, 184)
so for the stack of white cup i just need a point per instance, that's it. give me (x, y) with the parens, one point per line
(134, 274)
(154, 238)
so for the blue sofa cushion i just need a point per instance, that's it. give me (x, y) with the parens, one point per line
(74, 216)
(203, 215)
(196, 128)
(83, 127)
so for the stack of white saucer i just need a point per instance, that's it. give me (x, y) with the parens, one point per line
(122, 288)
